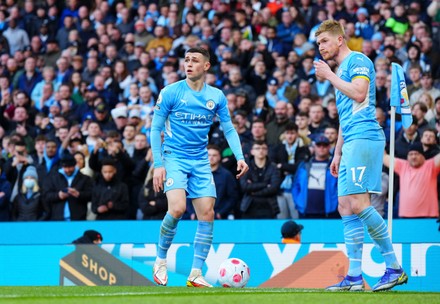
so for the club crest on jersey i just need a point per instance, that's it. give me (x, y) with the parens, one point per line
(210, 104)
(169, 182)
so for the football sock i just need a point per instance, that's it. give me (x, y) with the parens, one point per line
(378, 230)
(202, 243)
(354, 241)
(167, 232)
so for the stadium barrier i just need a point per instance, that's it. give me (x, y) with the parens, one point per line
(37, 254)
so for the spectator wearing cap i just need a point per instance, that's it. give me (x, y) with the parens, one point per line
(89, 237)
(376, 42)
(102, 117)
(314, 188)
(134, 118)
(273, 94)
(67, 191)
(291, 232)
(120, 116)
(141, 35)
(363, 28)
(418, 197)
(28, 205)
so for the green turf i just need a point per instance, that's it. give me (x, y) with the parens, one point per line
(176, 295)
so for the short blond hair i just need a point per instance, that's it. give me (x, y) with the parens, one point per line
(331, 26)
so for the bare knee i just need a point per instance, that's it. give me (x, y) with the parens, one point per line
(353, 204)
(176, 211)
(206, 215)
(176, 202)
(359, 202)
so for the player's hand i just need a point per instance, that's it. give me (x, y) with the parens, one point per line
(322, 69)
(334, 166)
(242, 168)
(159, 178)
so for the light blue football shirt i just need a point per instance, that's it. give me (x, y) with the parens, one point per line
(189, 115)
(358, 120)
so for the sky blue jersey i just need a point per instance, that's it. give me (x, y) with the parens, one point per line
(188, 117)
(358, 120)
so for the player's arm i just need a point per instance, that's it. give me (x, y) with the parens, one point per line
(159, 174)
(157, 126)
(161, 112)
(234, 143)
(231, 135)
(357, 89)
(334, 166)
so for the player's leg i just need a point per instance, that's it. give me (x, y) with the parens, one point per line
(204, 208)
(176, 207)
(175, 185)
(201, 189)
(366, 177)
(353, 237)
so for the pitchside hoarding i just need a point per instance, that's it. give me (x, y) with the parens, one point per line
(42, 253)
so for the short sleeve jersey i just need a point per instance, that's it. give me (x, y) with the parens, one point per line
(358, 120)
(189, 115)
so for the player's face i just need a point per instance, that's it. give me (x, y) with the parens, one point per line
(196, 66)
(328, 45)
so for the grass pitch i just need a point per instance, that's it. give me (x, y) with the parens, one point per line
(176, 295)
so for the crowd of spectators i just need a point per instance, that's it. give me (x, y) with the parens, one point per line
(79, 81)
